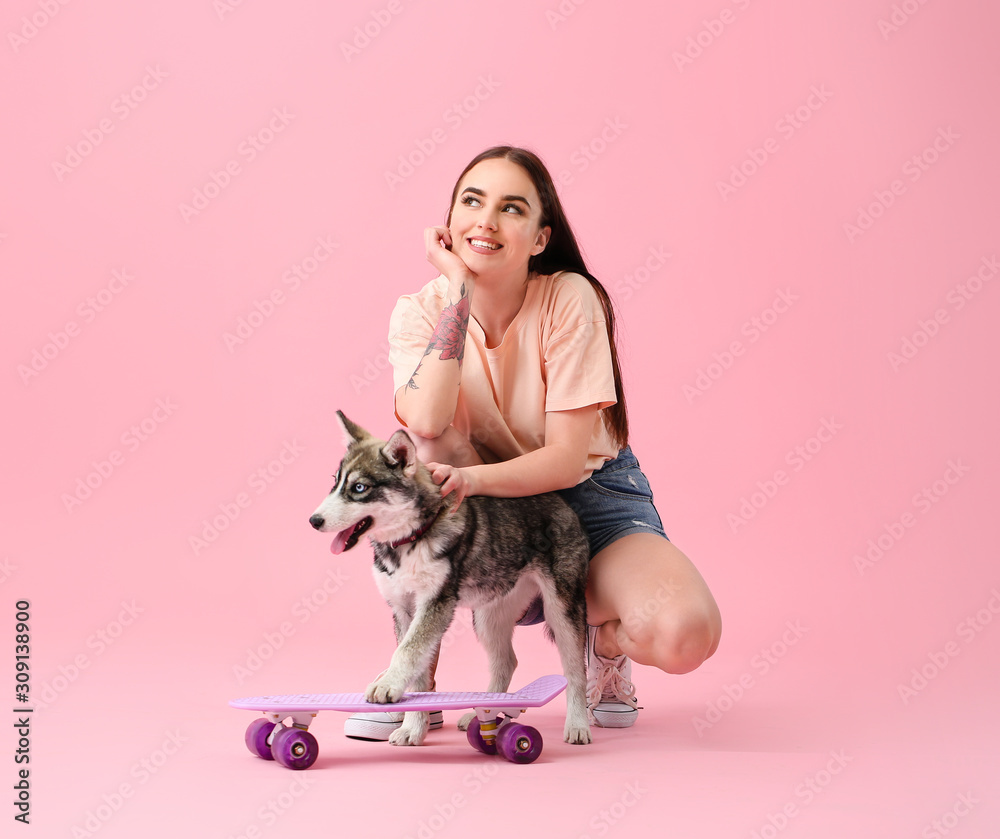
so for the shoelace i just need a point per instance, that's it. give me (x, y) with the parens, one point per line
(610, 683)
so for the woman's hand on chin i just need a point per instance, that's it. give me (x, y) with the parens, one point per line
(438, 245)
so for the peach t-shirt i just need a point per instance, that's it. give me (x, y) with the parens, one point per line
(554, 356)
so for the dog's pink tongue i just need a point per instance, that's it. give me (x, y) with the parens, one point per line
(340, 540)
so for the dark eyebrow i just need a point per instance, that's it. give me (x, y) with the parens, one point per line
(503, 198)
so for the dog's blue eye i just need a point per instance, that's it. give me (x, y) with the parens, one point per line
(359, 487)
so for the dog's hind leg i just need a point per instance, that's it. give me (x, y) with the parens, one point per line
(495, 627)
(494, 624)
(567, 621)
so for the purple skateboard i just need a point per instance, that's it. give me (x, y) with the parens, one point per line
(295, 748)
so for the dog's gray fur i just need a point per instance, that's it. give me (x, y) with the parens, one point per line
(493, 555)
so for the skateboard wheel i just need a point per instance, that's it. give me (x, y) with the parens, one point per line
(256, 738)
(476, 738)
(519, 743)
(294, 748)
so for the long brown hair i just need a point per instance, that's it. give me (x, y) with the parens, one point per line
(561, 254)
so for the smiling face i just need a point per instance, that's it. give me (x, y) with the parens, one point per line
(496, 219)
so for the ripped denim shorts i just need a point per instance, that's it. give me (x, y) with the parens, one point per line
(615, 501)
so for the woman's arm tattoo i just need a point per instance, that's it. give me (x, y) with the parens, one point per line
(449, 335)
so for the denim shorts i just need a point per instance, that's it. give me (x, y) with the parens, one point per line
(615, 501)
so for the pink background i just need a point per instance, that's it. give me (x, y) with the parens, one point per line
(139, 633)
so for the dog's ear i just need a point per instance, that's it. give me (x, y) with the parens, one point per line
(353, 433)
(400, 451)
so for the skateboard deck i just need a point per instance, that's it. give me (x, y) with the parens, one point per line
(295, 748)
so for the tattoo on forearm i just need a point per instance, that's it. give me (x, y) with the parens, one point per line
(449, 335)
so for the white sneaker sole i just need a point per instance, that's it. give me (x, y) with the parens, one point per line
(625, 718)
(379, 726)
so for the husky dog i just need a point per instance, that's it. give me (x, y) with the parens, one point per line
(492, 555)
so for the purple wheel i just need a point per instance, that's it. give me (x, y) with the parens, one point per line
(519, 743)
(256, 738)
(476, 738)
(294, 748)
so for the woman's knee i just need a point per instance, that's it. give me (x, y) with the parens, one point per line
(667, 615)
(679, 639)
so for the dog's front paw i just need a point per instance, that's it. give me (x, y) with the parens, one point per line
(383, 690)
(576, 735)
(407, 736)
(463, 723)
(413, 730)
(402, 737)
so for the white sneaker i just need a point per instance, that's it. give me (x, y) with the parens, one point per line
(610, 692)
(380, 724)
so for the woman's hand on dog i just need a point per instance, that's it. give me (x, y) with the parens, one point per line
(452, 479)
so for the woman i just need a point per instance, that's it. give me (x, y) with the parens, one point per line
(507, 378)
